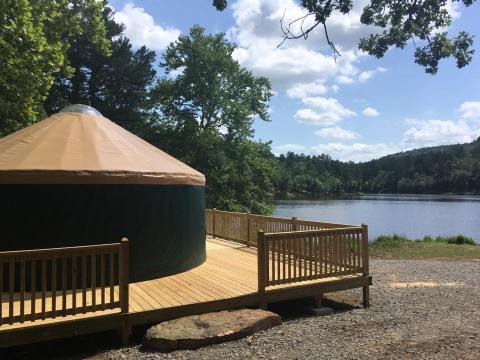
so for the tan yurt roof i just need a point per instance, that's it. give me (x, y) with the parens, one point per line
(80, 146)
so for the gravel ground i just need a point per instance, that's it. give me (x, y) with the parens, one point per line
(419, 310)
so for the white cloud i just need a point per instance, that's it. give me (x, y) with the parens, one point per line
(322, 111)
(335, 88)
(303, 90)
(369, 111)
(337, 133)
(291, 147)
(470, 110)
(454, 9)
(365, 75)
(344, 152)
(439, 132)
(257, 33)
(420, 133)
(343, 79)
(141, 29)
(354, 152)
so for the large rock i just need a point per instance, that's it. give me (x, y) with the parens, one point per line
(195, 331)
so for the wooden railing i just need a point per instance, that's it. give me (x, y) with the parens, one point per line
(243, 227)
(293, 250)
(48, 283)
(296, 256)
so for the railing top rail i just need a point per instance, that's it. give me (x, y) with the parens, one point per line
(349, 230)
(275, 218)
(60, 251)
(228, 212)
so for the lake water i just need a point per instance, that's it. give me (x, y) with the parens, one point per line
(412, 215)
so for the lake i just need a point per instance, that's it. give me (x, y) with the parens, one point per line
(412, 215)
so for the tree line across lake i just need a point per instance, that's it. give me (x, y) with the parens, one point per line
(435, 170)
(196, 103)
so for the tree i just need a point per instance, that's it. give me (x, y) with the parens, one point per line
(206, 106)
(117, 85)
(211, 88)
(34, 39)
(421, 22)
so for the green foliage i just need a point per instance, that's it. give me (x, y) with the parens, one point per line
(395, 240)
(459, 240)
(443, 169)
(220, 4)
(116, 85)
(206, 106)
(405, 21)
(389, 241)
(34, 39)
(421, 23)
(399, 247)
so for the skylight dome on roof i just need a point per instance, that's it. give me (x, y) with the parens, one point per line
(80, 108)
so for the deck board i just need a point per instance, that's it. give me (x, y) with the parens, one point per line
(227, 279)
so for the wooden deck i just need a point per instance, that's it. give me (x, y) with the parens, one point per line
(227, 280)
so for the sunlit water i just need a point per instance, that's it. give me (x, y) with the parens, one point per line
(412, 215)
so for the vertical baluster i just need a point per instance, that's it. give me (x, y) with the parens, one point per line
(306, 240)
(311, 256)
(359, 258)
(22, 290)
(294, 248)
(320, 255)
(340, 253)
(74, 283)
(272, 246)
(11, 279)
(33, 290)
(93, 279)
(1, 293)
(44, 287)
(102, 278)
(330, 243)
(350, 252)
(54, 286)
(84, 283)
(289, 246)
(112, 277)
(354, 251)
(64, 285)
(284, 250)
(279, 259)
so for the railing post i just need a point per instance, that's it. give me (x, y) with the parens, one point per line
(248, 229)
(261, 269)
(214, 210)
(295, 228)
(123, 275)
(366, 289)
(123, 285)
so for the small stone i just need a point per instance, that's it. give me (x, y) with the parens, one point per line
(195, 331)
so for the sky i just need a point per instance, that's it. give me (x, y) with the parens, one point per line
(356, 108)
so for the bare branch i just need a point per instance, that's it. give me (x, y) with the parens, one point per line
(289, 35)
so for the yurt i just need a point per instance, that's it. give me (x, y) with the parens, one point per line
(77, 178)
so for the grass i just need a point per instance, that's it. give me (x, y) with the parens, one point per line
(399, 247)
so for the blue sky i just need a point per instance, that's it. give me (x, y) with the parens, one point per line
(357, 108)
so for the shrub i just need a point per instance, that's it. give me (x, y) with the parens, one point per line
(461, 240)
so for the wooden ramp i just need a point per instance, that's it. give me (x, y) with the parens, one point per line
(227, 280)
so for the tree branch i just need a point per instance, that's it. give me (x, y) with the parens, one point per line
(289, 35)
